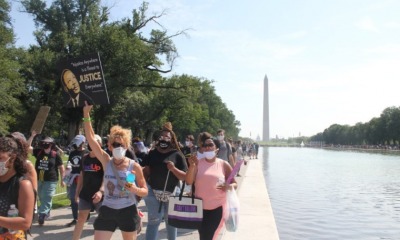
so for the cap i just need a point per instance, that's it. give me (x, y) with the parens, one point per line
(140, 146)
(48, 140)
(18, 135)
(97, 138)
(78, 140)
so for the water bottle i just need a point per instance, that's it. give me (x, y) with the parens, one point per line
(12, 212)
(130, 178)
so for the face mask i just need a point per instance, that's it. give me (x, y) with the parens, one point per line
(188, 143)
(119, 152)
(200, 155)
(89, 148)
(219, 137)
(209, 155)
(164, 144)
(3, 169)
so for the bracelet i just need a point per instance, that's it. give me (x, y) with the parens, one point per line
(86, 119)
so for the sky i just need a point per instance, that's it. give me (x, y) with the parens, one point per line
(327, 62)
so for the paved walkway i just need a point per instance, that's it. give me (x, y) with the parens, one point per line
(256, 217)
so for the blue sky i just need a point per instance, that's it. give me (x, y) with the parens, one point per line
(332, 61)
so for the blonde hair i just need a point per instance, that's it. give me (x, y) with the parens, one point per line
(124, 134)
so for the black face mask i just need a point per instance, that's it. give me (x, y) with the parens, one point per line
(164, 144)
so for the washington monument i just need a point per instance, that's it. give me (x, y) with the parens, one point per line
(266, 111)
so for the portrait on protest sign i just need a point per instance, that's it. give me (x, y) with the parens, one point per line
(82, 79)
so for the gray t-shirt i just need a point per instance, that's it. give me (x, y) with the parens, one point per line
(223, 151)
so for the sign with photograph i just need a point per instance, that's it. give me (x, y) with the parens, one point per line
(82, 79)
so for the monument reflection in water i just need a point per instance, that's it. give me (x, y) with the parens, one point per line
(329, 194)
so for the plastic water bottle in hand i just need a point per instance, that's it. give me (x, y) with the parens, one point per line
(130, 178)
(12, 212)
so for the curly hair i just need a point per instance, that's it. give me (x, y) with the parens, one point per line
(124, 134)
(17, 147)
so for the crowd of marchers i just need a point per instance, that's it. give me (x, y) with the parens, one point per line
(98, 176)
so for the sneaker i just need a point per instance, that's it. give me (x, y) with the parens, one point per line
(47, 216)
(72, 223)
(41, 218)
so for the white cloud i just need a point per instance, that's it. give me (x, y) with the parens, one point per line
(367, 24)
(385, 49)
(392, 25)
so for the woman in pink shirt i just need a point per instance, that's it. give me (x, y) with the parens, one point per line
(209, 175)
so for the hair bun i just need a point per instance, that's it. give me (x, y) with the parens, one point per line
(167, 126)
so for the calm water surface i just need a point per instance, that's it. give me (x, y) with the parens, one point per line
(328, 194)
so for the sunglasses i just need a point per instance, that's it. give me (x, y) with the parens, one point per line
(46, 145)
(208, 145)
(116, 145)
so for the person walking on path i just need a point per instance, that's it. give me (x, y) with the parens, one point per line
(15, 189)
(224, 148)
(119, 209)
(74, 160)
(89, 191)
(209, 175)
(49, 167)
(166, 165)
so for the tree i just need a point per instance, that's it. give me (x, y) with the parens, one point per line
(73, 28)
(11, 83)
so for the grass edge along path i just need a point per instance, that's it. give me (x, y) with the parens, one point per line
(60, 199)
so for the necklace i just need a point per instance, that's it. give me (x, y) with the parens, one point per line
(117, 164)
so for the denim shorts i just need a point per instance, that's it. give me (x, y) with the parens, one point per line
(109, 219)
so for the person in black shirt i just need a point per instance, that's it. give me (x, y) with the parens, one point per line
(166, 165)
(89, 190)
(15, 189)
(49, 167)
(74, 160)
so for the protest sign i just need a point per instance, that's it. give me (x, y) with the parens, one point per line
(40, 119)
(82, 79)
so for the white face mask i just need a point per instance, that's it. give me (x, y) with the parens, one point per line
(3, 169)
(200, 155)
(119, 152)
(219, 137)
(188, 143)
(209, 155)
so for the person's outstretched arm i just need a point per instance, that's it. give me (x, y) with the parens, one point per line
(89, 134)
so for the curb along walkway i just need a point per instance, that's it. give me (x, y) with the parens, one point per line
(256, 220)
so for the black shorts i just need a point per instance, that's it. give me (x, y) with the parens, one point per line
(109, 219)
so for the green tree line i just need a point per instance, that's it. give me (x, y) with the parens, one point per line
(135, 59)
(384, 130)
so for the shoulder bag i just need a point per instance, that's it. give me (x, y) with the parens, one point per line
(184, 211)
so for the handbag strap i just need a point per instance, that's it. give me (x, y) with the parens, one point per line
(183, 188)
(165, 187)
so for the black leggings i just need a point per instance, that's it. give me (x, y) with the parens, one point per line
(211, 221)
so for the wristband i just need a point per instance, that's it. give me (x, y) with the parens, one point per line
(86, 119)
